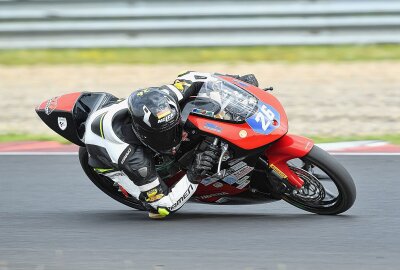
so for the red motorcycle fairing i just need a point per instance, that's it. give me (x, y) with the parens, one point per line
(287, 148)
(249, 136)
(63, 103)
(245, 135)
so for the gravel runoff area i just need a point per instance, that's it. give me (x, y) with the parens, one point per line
(319, 98)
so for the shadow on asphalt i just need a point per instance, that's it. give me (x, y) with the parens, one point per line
(140, 216)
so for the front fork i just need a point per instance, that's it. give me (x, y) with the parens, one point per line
(286, 148)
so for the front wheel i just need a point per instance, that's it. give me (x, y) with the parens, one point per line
(328, 188)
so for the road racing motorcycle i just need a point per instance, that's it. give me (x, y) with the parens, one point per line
(259, 161)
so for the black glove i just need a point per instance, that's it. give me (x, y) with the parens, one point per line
(202, 165)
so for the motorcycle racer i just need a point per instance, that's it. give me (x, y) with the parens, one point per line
(124, 135)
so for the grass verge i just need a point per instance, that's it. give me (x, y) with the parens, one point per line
(290, 54)
(392, 138)
(15, 137)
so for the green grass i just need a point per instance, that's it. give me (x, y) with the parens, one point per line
(392, 138)
(15, 137)
(289, 54)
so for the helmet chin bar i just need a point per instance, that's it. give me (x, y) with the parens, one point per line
(172, 150)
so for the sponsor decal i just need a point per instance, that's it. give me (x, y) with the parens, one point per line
(163, 113)
(243, 182)
(222, 200)
(181, 199)
(234, 161)
(126, 155)
(209, 180)
(198, 77)
(278, 171)
(238, 175)
(218, 185)
(230, 179)
(243, 134)
(213, 195)
(166, 118)
(51, 105)
(203, 112)
(62, 123)
(244, 171)
(265, 120)
(213, 127)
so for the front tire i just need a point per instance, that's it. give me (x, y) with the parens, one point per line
(314, 169)
(105, 184)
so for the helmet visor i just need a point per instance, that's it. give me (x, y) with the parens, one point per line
(164, 141)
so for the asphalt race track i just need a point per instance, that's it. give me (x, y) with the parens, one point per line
(52, 217)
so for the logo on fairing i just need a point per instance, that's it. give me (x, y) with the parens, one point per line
(213, 127)
(62, 123)
(265, 120)
(51, 105)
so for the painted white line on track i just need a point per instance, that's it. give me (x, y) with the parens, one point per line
(76, 153)
(363, 154)
(38, 153)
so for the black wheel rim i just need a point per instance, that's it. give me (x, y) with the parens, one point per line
(319, 191)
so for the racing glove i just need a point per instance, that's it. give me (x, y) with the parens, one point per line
(202, 166)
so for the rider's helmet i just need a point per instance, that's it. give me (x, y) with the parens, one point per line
(156, 119)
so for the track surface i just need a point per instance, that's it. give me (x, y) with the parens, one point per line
(52, 217)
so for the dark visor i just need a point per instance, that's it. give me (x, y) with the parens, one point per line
(162, 141)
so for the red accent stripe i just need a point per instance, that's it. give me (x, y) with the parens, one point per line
(388, 148)
(34, 146)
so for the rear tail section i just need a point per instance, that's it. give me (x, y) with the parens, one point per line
(67, 114)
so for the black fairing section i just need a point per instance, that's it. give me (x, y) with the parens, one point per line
(87, 103)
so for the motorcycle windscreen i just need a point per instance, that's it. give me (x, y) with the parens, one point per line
(235, 104)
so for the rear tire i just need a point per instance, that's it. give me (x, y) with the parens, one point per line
(337, 174)
(105, 184)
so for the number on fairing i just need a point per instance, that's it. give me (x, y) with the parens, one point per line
(266, 116)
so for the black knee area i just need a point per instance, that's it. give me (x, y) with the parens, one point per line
(137, 163)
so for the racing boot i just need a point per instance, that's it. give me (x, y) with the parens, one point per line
(152, 196)
(161, 201)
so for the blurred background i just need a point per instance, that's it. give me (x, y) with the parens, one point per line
(334, 64)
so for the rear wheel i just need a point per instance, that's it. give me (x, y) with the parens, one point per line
(328, 188)
(105, 184)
